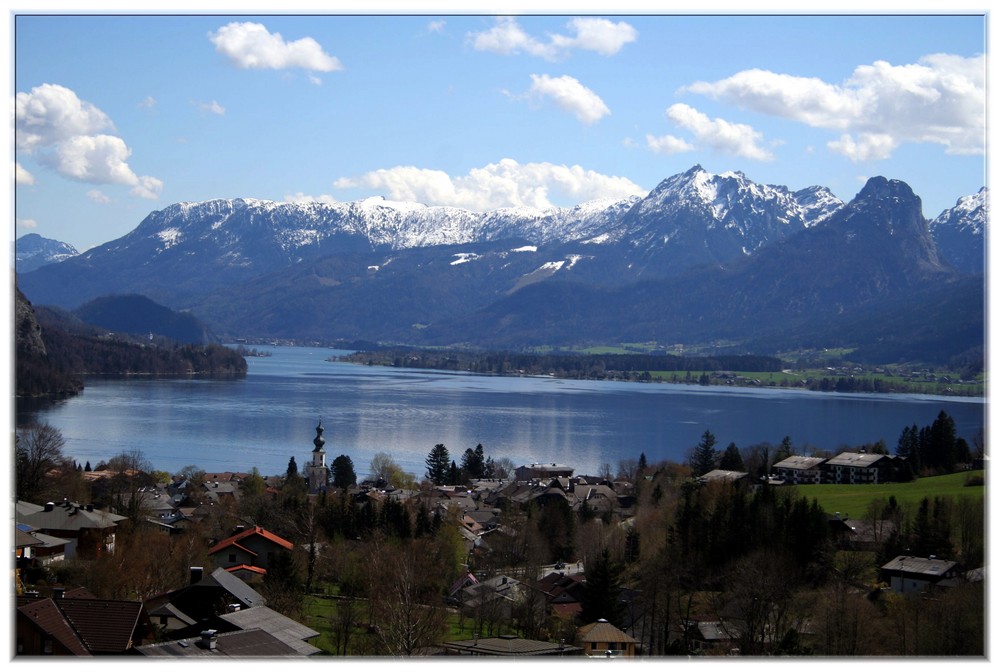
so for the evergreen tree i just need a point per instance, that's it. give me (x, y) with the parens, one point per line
(602, 591)
(703, 460)
(785, 450)
(437, 464)
(343, 472)
(643, 466)
(731, 459)
(473, 462)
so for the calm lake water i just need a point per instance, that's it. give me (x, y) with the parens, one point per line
(271, 416)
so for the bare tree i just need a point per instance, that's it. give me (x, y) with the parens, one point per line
(38, 449)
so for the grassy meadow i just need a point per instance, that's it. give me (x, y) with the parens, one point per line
(853, 500)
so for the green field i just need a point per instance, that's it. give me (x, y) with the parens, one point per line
(853, 500)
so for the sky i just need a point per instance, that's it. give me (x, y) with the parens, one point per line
(116, 116)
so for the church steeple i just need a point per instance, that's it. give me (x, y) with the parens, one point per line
(317, 472)
(319, 441)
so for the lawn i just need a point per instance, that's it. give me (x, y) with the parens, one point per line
(853, 500)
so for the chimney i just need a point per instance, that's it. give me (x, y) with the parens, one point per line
(58, 592)
(49, 506)
(209, 639)
(196, 574)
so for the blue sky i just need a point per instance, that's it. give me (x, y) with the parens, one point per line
(117, 116)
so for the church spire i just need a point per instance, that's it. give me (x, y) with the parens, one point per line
(319, 440)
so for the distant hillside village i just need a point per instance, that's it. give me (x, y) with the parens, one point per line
(483, 558)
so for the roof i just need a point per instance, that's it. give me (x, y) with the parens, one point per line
(723, 475)
(508, 645)
(913, 565)
(800, 462)
(234, 586)
(69, 516)
(104, 626)
(856, 459)
(280, 626)
(251, 532)
(240, 644)
(602, 631)
(45, 615)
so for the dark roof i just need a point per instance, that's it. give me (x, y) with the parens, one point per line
(292, 633)
(105, 626)
(45, 616)
(926, 566)
(240, 644)
(69, 516)
(508, 645)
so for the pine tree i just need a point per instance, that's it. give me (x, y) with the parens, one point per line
(703, 460)
(602, 591)
(731, 459)
(343, 472)
(437, 464)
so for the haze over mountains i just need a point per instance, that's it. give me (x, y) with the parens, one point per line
(706, 260)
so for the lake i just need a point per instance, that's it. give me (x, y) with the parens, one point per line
(270, 416)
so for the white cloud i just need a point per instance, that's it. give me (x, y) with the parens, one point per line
(66, 134)
(22, 176)
(506, 183)
(940, 99)
(213, 107)
(668, 144)
(147, 103)
(51, 113)
(507, 37)
(570, 95)
(718, 134)
(436, 27)
(600, 35)
(251, 45)
(26, 223)
(97, 196)
(299, 197)
(868, 146)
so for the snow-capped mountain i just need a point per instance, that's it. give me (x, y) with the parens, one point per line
(382, 270)
(960, 232)
(32, 251)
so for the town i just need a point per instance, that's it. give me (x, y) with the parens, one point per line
(720, 556)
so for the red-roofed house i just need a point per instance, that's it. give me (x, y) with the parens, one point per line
(248, 552)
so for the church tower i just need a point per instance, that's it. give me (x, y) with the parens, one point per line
(317, 472)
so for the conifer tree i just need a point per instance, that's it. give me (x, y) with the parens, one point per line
(703, 460)
(438, 462)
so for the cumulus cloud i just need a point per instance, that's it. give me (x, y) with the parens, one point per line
(22, 176)
(570, 95)
(506, 183)
(26, 223)
(717, 134)
(436, 27)
(99, 197)
(668, 144)
(940, 99)
(506, 37)
(250, 45)
(67, 135)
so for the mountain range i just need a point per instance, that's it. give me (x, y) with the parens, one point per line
(713, 260)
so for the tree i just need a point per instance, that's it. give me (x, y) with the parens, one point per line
(343, 472)
(704, 456)
(37, 451)
(602, 591)
(731, 459)
(438, 462)
(784, 451)
(474, 462)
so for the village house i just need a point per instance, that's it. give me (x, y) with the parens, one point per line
(858, 468)
(799, 470)
(89, 531)
(908, 574)
(603, 640)
(508, 646)
(249, 551)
